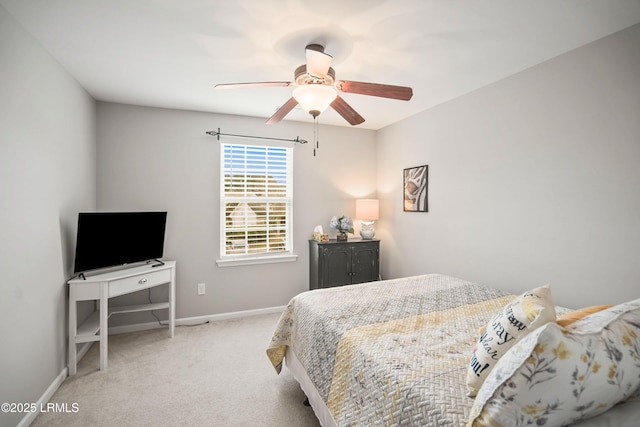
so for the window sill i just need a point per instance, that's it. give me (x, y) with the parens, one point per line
(271, 259)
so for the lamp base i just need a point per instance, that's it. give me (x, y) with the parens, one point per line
(367, 231)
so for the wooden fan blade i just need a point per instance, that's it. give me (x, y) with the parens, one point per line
(282, 111)
(318, 62)
(252, 84)
(346, 111)
(401, 93)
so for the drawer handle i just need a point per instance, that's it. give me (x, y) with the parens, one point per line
(142, 281)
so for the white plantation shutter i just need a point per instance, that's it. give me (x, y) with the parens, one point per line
(255, 199)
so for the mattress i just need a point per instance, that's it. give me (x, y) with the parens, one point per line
(392, 352)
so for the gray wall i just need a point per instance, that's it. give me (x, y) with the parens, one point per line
(160, 159)
(47, 174)
(533, 180)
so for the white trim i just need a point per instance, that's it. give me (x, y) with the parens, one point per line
(83, 350)
(30, 417)
(266, 259)
(230, 315)
(189, 321)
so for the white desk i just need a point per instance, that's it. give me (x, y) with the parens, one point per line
(101, 287)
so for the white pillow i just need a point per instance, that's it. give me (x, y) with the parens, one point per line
(557, 376)
(530, 310)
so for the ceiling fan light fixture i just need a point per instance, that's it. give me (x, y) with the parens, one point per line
(314, 98)
(315, 89)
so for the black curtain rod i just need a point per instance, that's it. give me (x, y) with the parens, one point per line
(218, 134)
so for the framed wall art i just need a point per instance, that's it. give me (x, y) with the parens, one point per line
(416, 182)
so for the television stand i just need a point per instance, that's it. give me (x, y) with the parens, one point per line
(103, 286)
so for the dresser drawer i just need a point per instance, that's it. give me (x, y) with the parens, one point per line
(138, 282)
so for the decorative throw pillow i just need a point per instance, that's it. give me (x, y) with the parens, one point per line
(557, 376)
(530, 310)
(568, 318)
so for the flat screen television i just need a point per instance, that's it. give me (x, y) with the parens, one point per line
(109, 239)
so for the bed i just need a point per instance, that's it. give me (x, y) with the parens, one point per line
(392, 352)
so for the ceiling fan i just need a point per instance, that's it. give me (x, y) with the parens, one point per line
(316, 88)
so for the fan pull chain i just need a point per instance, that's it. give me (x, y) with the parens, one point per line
(315, 134)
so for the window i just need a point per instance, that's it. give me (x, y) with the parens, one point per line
(255, 201)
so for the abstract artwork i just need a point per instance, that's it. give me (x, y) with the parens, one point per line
(416, 181)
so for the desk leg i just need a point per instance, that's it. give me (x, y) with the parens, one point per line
(73, 327)
(104, 324)
(172, 303)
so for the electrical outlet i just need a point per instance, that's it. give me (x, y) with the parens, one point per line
(202, 289)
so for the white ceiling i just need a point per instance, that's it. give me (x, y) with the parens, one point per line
(171, 53)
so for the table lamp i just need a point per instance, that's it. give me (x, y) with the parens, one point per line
(367, 212)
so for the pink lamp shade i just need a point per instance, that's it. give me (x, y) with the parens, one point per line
(367, 209)
(367, 212)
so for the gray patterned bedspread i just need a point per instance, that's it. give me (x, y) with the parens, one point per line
(393, 352)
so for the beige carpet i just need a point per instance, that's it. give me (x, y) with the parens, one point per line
(215, 374)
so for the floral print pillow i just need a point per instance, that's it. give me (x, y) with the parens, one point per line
(530, 310)
(557, 376)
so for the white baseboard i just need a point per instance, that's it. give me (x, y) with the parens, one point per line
(44, 399)
(187, 321)
(230, 315)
